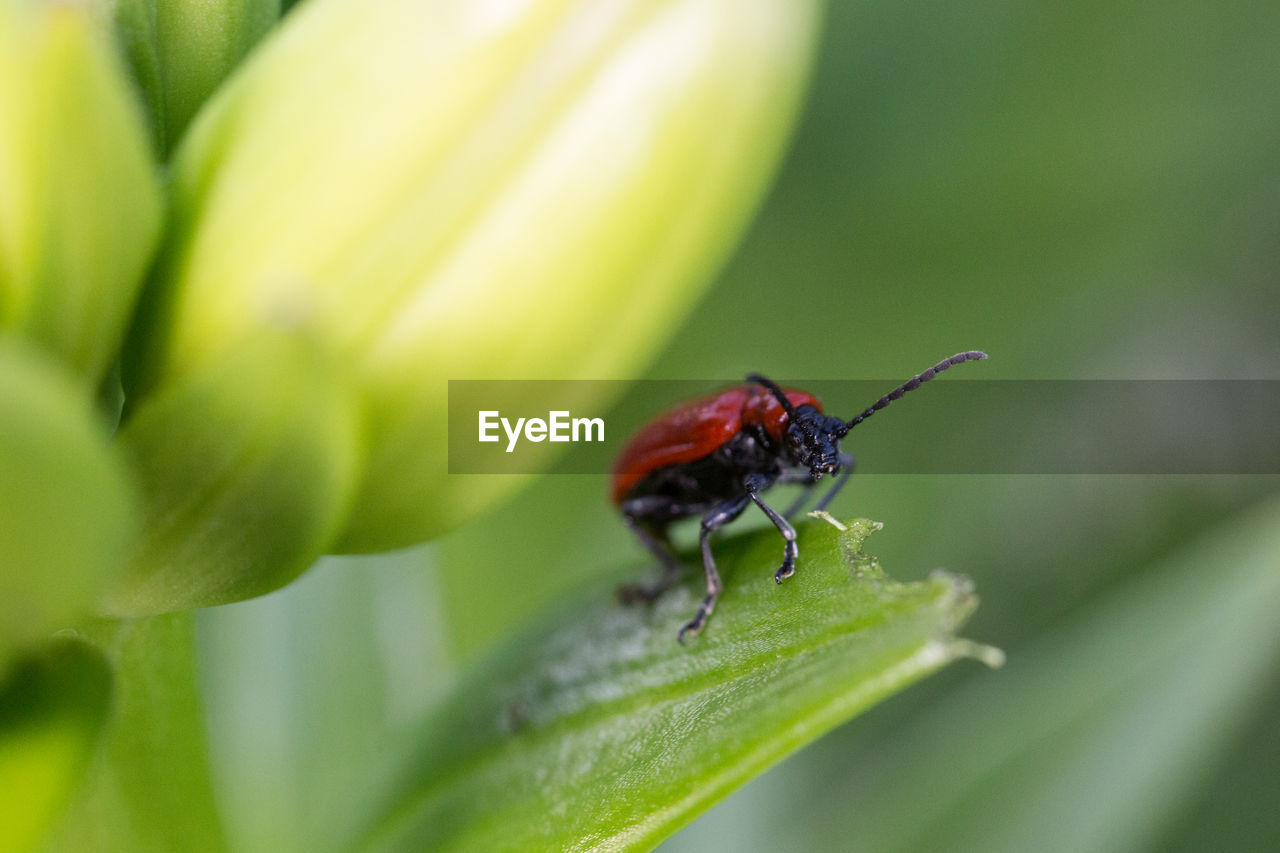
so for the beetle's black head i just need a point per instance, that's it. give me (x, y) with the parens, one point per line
(812, 440)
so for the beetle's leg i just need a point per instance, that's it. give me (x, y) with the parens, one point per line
(660, 547)
(718, 516)
(846, 470)
(790, 551)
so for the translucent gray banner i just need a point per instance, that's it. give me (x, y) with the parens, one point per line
(950, 426)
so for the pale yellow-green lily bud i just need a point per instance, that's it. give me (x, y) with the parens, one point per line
(446, 190)
(80, 205)
(67, 511)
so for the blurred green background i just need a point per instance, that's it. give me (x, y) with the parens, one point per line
(1088, 190)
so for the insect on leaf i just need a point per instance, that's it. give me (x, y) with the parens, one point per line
(598, 731)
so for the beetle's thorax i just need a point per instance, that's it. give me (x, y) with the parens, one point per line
(812, 440)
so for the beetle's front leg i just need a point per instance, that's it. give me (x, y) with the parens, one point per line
(753, 484)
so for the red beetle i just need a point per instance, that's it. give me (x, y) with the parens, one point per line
(714, 455)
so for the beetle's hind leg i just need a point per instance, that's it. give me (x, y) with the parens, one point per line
(718, 516)
(660, 546)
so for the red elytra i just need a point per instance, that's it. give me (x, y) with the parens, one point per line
(698, 427)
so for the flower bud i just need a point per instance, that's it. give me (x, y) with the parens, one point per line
(79, 203)
(66, 508)
(246, 467)
(180, 51)
(468, 190)
(199, 43)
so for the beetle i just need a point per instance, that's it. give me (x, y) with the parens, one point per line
(714, 455)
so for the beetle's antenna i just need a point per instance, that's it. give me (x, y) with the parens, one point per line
(916, 381)
(777, 392)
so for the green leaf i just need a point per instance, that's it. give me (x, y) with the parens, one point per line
(51, 705)
(147, 788)
(599, 731)
(1096, 736)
